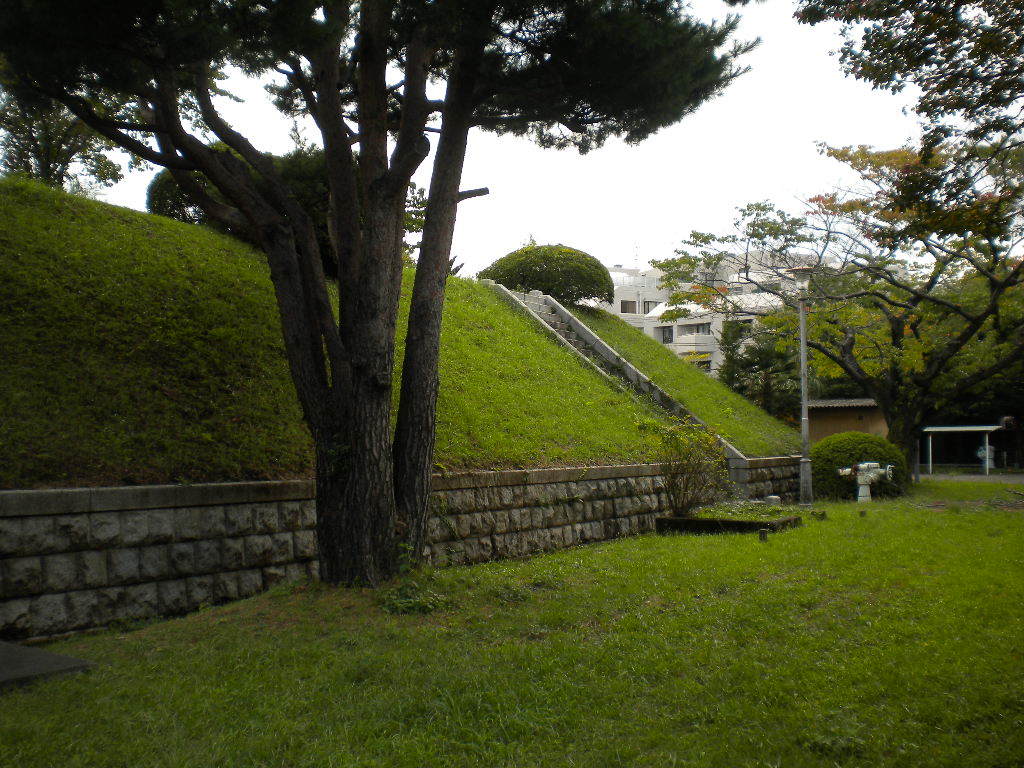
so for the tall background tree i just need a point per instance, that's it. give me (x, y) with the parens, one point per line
(566, 73)
(920, 305)
(43, 140)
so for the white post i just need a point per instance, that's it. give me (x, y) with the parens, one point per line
(986, 452)
(929, 453)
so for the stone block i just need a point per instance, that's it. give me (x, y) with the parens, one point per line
(160, 526)
(92, 566)
(511, 496)
(538, 518)
(83, 610)
(123, 566)
(232, 554)
(238, 520)
(37, 535)
(274, 574)
(134, 528)
(48, 615)
(436, 530)
(579, 511)
(141, 601)
(14, 618)
(485, 548)
(534, 495)
(72, 531)
(289, 515)
(10, 536)
(501, 523)
(104, 529)
(295, 571)
(109, 605)
(249, 583)
(173, 597)
(313, 569)
(155, 562)
(265, 519)
(308, 513)
(281, 545)
(22, 576)
(188, 523)
(200, 590)
(60, 573)
(211, 522)
(463, 525)
(259, 551)
(304, 543)
(462, 500)
(207, 556)
(225, 587)
(183, 558)
(455, 552)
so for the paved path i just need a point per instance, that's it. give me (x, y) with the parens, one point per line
(1017, 479)
(22, 664)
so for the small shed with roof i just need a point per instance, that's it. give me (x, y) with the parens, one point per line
(847, 414)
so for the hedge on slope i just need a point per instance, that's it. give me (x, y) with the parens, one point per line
(571, 276)
(845, 449)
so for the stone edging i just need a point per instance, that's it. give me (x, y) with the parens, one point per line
(66, 501)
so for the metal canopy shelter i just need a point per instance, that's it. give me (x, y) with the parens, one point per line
(986, 430)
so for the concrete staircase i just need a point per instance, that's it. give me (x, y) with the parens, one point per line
(754, 477)
(536, 302)
(589, 347)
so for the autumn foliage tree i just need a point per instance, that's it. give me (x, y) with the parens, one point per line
(919, 303)
(381, 80)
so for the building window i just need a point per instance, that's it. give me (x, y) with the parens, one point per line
(665, 334)
(649, 306)
(695, 329)
(627, 307)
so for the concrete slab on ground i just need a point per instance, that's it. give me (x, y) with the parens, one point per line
(21, 665)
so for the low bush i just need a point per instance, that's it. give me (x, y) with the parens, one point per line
(569, 275)
(695, 469)
(845, 449)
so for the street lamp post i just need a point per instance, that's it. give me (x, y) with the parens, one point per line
(802, 275)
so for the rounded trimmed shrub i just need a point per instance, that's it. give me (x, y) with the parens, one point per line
(571, 276)
(845, 449)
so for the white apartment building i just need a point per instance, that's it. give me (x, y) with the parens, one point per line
(696, 338)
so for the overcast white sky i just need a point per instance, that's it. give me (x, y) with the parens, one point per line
(627, 205)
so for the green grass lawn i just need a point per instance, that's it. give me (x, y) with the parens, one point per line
(137, 349)
(730, 415)
(894, 639)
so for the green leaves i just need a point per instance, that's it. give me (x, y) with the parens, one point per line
(571, 276)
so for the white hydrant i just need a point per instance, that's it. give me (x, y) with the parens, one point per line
(866, 473)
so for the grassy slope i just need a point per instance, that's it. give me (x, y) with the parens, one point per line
(735, 418)
(892, 639)
(138, 349)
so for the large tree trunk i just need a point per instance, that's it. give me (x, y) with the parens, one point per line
(417, 413)
(356, 530)
(905, 434)
(358, 533)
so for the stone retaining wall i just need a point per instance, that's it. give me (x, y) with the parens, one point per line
(757, 478)
(73, 559)
(79, 558)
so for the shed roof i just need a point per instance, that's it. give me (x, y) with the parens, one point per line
(980, 428)
(843, 402)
